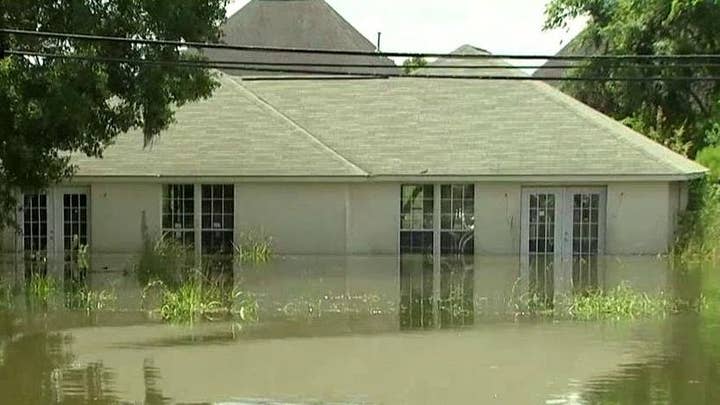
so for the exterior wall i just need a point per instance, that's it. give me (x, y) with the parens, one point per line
(363, 218)
(116, 216)
(7, 240)
(301, 218)
(639, 218)
(373, 219)
(497, 219)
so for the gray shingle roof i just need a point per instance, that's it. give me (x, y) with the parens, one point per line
(230, 134)
(390, 127)
(295, 24)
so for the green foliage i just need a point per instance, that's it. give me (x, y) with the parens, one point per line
(199, 298)
(41, 288)
(679, 114)
(699, 230)
(88, 300)
(413, 64)
(254, 247)
(623, 302)
(710, 158)
(50, 108)
(6, 294)
(164, 259)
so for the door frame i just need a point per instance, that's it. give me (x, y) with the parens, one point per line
(563, 254)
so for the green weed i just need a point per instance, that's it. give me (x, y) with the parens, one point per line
(198, 298)
(41, 288)
(254, 247)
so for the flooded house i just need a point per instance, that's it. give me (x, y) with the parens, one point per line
(341, 165)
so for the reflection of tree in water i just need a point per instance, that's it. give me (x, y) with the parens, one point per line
(37, 368)
(151, 375)
(689, 370)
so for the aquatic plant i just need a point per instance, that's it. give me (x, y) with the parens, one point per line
(254, 247)
(623, 302)
(164, 259)
(89, 300)
(41, 288)
(198, 297)
(6, 294)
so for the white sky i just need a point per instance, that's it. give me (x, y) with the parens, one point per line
(499, 26)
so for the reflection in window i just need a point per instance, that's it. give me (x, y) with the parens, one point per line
(178, 220)
(218, 218)
(419, 229)
(75, 234)
(35, 233)
(457, 254)
(542, 248)
(416, 256)
(586, 220)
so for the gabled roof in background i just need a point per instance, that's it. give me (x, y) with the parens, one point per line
(552, 68)
(401, 127)
(295, 24)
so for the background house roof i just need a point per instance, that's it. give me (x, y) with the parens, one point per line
(295, 24)
(390, 127)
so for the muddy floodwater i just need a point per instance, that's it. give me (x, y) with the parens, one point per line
(368, 330)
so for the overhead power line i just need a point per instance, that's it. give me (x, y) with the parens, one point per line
(433, 66)
(261, 67)
(251, 48)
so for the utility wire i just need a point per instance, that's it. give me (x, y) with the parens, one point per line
(429, 66)
(289, 70)
(206, 45)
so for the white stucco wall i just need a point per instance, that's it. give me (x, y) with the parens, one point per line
(116, 212)
(639, 218)
(373, 219)
(301, 218)
(362, 218)
(497, 219)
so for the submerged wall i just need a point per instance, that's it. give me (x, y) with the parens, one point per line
(363, 218)
(116, 216)
(639, 218)
(7, 240)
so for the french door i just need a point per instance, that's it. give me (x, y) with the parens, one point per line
(563, 233)
(55, 224)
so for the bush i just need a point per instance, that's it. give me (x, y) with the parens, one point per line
(710, 158)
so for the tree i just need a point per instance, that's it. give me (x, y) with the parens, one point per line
(679, 114)
(51, 108)
(412, 64)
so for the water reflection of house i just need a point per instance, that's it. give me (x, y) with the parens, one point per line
(442, 169)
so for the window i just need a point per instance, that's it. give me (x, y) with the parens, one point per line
(218, 218)
(178, 221)
(457, 213)
(416, 219)
(35, 224)
(437, 225)
(75, 225)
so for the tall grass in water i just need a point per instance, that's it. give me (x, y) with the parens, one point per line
(623, 302)
(619, 303)
(254, 247)
(41, 288)
(6, 294)
(166, 260)
(200, 298)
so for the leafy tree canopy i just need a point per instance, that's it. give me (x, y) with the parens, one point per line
(50, 108)
(680, 114)
(412, 64)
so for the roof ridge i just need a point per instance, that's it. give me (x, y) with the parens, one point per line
(264, 104)
(640, 142)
